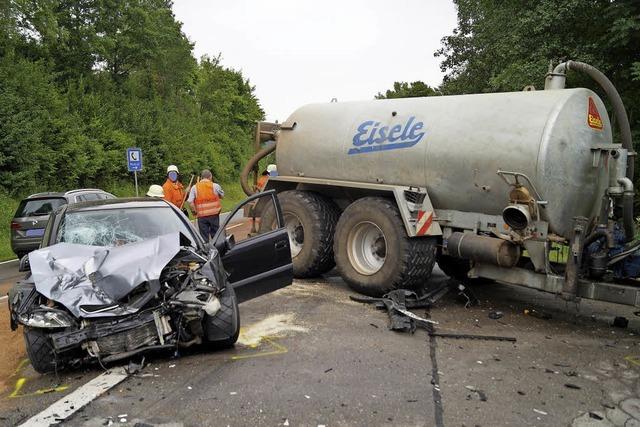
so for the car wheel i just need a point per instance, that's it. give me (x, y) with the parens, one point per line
(39, 350)
(223, 329)
(373, 253)
(310, 220)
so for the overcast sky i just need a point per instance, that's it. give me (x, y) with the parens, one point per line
(300, 51)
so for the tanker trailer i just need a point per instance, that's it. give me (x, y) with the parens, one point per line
(486, 185)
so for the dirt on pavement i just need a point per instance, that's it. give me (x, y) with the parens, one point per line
(13, 351)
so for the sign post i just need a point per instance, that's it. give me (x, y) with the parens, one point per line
(134, 163)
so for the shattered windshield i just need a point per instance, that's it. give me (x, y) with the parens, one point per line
(117, 227)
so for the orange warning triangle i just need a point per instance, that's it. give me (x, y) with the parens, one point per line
(593, 116)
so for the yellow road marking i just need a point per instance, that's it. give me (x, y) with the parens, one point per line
(633, 359)
(21, 365)
(279, 349)
(18, 386)
(22, 381)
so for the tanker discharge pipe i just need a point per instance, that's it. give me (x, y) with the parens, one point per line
(253, 161)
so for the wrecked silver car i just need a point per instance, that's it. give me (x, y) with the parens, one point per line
(115, 278)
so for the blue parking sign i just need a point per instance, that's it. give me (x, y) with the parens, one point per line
(134, 159)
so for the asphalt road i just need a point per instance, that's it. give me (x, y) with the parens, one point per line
(310, 356)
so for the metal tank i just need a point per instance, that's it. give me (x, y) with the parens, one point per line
(454, 146)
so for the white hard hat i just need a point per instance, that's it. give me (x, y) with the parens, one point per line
(272, 168)
(172, 168)
(155, 191)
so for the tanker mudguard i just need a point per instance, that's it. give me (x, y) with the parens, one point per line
(416, 210)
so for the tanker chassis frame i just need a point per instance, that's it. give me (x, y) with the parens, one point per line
(411, 201)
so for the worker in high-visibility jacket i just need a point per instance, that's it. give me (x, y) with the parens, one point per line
(204, 199)
(262, 181)
(173, 188)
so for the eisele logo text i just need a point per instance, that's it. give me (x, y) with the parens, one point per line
(370, 136)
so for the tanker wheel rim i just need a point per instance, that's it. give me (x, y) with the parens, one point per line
(366, 248)
(295, 230)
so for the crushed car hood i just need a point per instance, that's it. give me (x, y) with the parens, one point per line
(78, 276)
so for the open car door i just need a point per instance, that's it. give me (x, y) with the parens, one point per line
(258, 257)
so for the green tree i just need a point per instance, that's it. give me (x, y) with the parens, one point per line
(82, 80)
(409, 90)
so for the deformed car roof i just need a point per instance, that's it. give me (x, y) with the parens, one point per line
(131, 202)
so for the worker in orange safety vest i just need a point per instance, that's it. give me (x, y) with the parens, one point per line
(173, 188)
(204, 199)
(262, 181)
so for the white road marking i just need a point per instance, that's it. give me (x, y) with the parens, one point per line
(7, 262)
(69, 404)
(4, 298)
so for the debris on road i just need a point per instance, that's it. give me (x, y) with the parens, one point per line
(620, 322)
(397, 303)
(495, 315)
(538, 411)
(535, 313)
(480, 393)
(134, 368)
(573, 386)
(472, 337)
(596, 416)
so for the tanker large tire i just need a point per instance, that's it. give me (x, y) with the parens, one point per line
(373, 253)
(310, 220)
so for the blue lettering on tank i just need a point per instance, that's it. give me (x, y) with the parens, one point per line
(369, 137)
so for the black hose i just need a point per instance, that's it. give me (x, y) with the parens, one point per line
(597, 234)
(618, 107)
(627, 217)
(253, 161)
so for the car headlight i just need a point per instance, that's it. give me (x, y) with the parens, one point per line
(45, 319)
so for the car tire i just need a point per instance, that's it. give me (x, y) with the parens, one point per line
(310, 219)
(223, 329)
(390, 259)
(39, 350)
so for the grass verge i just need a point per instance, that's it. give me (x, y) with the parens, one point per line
(8, 206)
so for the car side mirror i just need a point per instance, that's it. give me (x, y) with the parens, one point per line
(24, 264)
(224, 243)
(229, 242)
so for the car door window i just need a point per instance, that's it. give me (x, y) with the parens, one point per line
(253, 219)
(87, 197)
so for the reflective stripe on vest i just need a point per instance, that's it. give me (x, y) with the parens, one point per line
(207, 201)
